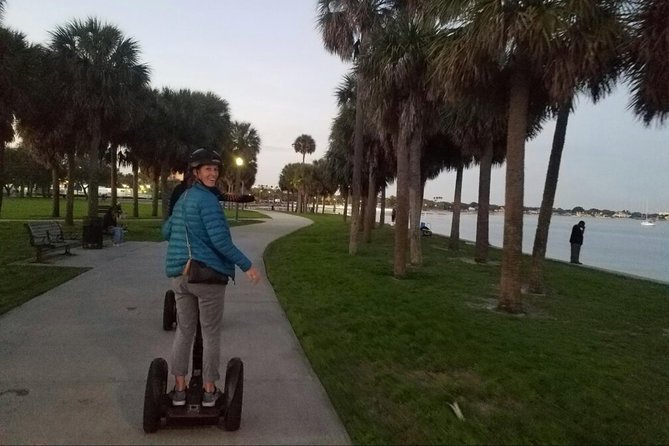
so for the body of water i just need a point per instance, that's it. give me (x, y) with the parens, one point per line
(617, 244)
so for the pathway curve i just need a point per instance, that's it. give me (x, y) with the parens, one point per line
(73, 361)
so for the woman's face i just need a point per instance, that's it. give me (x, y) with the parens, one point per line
(207, 174)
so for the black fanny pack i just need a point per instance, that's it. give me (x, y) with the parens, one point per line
(198, 272)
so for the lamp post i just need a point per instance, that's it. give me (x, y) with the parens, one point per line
(239, 162)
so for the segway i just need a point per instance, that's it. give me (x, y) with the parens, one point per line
(169, 311)
(158, 403)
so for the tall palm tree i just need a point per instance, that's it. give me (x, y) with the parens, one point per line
(346, 26)
(305, 145)
(377, 164)
(521, 39)
(290, 179)
(142, 138)
(397, 63)
(592, 66)
(244, 142)
(338, 155)
(17, 62)
(42, 126)
(648, 54)
(100, 68)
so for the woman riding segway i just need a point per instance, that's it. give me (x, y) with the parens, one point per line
(199, 243)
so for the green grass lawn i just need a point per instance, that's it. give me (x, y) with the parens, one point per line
(21, 282)
(587, 364)
(39, 208)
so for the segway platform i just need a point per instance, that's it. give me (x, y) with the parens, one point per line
(158, 403)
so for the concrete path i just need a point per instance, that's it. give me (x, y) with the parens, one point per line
(73, 361)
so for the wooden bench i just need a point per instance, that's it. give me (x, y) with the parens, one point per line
(49, 236)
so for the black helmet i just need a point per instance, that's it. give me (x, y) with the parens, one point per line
(202, 157)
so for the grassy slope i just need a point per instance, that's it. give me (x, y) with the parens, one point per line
(588, 363)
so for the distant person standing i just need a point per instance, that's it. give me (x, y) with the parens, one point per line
(576, 241)
(393, 215)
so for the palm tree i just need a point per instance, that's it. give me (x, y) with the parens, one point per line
(100, 69)
(346, 26)
(591, 67)
(398, 65)
(17, 63)
(244, 142)
(648, 54)
(43, 127)
(142, 138)
(522, 40)
(304, 144)
(290, 179)
(338, 155)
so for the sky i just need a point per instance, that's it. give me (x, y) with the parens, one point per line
(267, 59)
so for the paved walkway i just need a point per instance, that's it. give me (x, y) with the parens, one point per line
(73, 361)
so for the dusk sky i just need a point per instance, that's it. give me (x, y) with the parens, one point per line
(268, 61)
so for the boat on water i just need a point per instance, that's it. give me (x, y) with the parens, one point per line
(646, 221)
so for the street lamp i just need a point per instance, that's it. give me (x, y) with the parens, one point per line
(239, 162)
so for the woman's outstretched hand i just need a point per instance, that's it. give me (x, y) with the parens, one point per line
(253, 274)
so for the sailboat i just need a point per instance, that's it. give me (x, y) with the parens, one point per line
(646, 221)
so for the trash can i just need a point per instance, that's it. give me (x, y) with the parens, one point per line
(92, 237)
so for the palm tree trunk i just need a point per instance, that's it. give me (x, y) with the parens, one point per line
(363, 210)
(114, 173)
(546, 211)
(370, 214)
(346, 203)
(156, 190)
(94, 173)
(415, 195)
(483, 214)
(382, 217)
(69, 204)
(2, 172)
(55, 185)
(454, 242)
(510, 282)
(358, 159)
(402, 214)
(165, 198)
(135, 188)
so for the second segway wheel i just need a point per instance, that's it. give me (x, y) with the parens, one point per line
(169, 311)
(156, 387)
(233, 393)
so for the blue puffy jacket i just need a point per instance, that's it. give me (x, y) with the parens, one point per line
(208, 234)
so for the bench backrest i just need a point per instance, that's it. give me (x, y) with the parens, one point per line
(44, 232)
(102, 210)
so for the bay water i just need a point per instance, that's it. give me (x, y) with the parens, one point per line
(617, 244)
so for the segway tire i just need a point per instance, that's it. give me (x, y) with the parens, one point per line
(169, 311)
(233, 393)
(156, 387)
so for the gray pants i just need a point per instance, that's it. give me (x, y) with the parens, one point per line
(209, 299)
(575, 252)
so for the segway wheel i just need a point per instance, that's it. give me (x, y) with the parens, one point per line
(156, 387)
(169, 311)
(234, 392)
